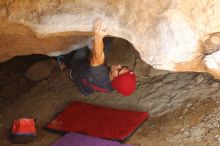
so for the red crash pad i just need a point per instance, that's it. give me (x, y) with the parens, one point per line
(97, 121)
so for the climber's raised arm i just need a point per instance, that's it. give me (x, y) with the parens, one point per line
(98, 55)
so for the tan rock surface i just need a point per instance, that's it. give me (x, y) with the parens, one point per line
(167, 34)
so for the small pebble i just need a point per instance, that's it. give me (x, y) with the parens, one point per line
(182, 130)
(217, 137)
(189, 104)
(185, 111)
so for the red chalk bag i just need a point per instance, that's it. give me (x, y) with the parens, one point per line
(23, 131)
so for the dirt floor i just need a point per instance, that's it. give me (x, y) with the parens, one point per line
(184, 107)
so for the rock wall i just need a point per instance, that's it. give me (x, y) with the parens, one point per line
(176, 35)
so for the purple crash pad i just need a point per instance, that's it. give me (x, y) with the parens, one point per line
(75, 139)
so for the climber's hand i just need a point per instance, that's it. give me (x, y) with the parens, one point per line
(98, 29)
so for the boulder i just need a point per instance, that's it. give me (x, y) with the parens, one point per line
(169, 35)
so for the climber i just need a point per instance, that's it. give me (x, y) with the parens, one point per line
(90, 73)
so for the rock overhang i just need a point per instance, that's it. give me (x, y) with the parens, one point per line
(170, 35)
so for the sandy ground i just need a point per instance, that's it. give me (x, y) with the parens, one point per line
(184, 108)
